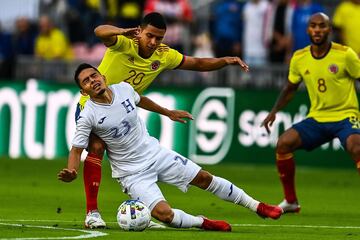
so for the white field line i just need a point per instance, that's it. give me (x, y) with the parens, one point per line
(89, 234)
(233, 224)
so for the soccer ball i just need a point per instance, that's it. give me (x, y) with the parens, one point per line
(133, 215)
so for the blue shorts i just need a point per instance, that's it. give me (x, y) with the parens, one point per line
(313, 134)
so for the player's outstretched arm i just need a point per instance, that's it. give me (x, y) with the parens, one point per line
(175, 115)
(210, 64)
(286, 95)
(108, 33)
(70, 173)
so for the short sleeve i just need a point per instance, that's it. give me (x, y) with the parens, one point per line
(83, 130)
(352, 63)
(174, 59)
(120, 43)
(294, 74)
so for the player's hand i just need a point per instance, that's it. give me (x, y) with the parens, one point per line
(237, 61)
(179, 115)
(67, 175)
(268, 121)
(131, 32)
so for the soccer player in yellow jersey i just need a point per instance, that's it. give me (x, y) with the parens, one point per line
(136, 56)
(329, 71)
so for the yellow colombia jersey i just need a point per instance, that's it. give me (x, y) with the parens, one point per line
(122, 62)
(330, 82)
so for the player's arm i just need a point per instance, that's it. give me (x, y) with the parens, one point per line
(70, 173)
(210, 64)
(175, 115)
(286, 95)
(108, 33)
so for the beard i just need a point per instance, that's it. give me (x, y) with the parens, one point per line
(321, 42)
(102, 91)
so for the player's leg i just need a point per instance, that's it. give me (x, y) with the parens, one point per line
(142, 186)
(348, 132)
(179, 219)
(181, 172)
(307, 134)
(92, 179)
(353, 147)
(286, 145)
(227, 191)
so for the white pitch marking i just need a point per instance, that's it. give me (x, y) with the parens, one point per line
(152, 224)
(90, 234)
(234, 224)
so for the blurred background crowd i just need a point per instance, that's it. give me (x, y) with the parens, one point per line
(46, 39)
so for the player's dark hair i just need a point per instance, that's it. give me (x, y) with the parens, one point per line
(154, 19)
(79, 69)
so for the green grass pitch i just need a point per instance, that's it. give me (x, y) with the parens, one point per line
(35, 205)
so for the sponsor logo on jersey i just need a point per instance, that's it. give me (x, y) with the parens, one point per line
(333, 68)
(155, 65)
(101, 120)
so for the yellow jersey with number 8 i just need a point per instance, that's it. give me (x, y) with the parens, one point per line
(122, 62)
(330, 81)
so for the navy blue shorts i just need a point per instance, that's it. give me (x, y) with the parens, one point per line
(313, 134)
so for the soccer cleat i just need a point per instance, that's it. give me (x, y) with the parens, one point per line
(155, 225)
(289, 207)
(215, 225)
(93, 220)
(264, 210)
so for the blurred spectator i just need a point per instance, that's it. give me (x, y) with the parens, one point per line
(254, 16)
(202, 44)
(24, 37)
(347, 21)
(12, 9)
(130, 13)
(51, 43)
(303, 10)
(74, 22)
(279, 30)
(6, 54)
(177, 14)
(226, 27)
(93, 14)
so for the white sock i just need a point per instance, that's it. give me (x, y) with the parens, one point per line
(229, 192)
(183, 220)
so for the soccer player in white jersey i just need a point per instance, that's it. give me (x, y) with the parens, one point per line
(138, 161)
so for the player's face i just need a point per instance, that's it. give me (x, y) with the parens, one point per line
(92, 83)
(150, 38)
(318, 30)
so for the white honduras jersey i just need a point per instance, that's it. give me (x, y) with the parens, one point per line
(130, 148)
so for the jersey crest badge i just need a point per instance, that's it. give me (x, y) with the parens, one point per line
(333, 68)
(155, 65)
(307, 72)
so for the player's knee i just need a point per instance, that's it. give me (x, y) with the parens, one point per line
(163, 214)
(353, 146)
(283, 146)
(97, 147)
(354, 150)
(202, 179)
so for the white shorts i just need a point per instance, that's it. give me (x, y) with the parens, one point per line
(169, 167)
